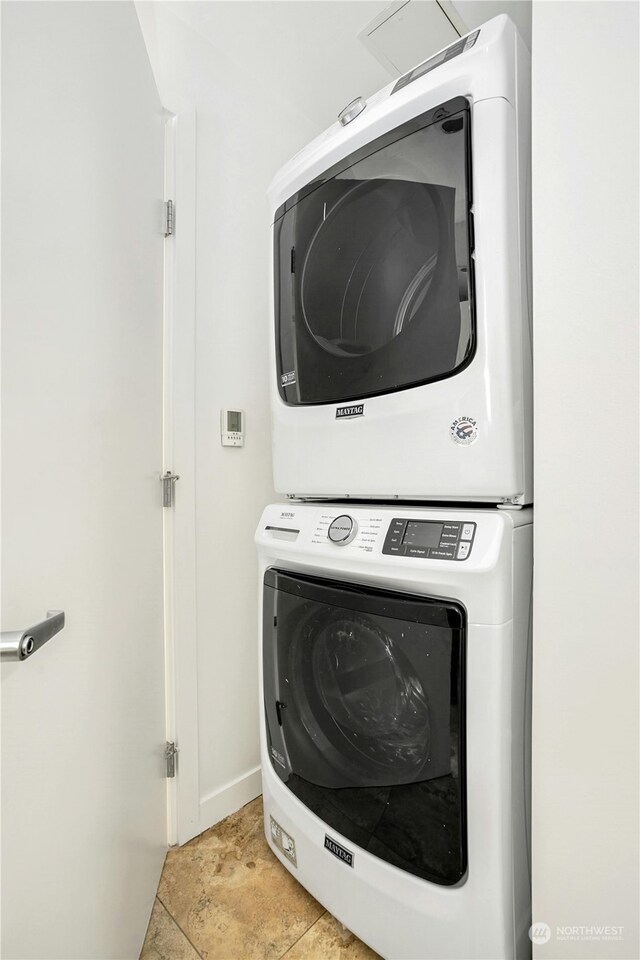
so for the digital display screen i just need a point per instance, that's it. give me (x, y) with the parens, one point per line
(234, 421)
(422, 533)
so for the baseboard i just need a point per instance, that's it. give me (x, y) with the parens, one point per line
(229, 798)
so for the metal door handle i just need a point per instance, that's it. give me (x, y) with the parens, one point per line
(20, 644)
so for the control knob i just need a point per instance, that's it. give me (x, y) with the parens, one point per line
(351, 111)
(342, 530)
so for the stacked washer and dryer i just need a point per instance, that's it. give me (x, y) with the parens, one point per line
(396, 576)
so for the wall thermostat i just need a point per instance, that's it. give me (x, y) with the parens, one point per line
(232, 428)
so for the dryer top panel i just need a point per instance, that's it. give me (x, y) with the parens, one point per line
(479, 69)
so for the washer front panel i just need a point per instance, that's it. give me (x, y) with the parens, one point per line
(387, 907)
(364, 709)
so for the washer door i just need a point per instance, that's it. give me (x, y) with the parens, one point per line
(373, 267)
(363, 702)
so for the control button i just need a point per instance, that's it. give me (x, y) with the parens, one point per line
(467, 531)
(351, 111)
(443, 553)
(449, 537)
(393, 549)
(451, 528)
(463, 550)
(397, 524)
(417, 552)
(342, 530)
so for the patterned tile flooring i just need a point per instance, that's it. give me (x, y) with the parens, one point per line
(225, 896)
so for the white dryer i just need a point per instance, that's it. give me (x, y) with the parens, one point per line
(401, 361)
(394, 731)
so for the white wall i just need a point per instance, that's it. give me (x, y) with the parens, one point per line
(585, 204)
(245, 74)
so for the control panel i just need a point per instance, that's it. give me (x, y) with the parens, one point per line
(429, 539)
(453, 50)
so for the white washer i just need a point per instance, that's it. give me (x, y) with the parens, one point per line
(394, 730)
(401, 361)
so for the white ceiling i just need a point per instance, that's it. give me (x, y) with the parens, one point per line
(306, 51)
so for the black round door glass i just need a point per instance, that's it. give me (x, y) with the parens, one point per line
(368, 690)
(373, 278)
(379, 245)
(364, 713)
(367, 696)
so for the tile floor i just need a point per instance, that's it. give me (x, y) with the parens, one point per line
(225, 896)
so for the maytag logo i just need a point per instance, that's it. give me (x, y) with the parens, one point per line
(356, 410)
(345, 855)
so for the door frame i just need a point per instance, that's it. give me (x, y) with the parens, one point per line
(179, 456)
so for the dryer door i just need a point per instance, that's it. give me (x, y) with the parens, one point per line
(364, 695)
(373, 266)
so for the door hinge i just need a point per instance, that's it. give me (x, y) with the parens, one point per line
(169, 223)
(170, 754)
(168, 480)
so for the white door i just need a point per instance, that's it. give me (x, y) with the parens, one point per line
(83, 789)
